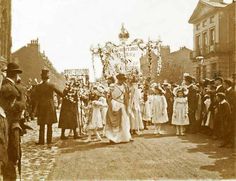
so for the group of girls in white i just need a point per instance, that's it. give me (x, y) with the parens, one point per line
(143, 105)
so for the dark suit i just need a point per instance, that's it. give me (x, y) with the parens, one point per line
(14, 132)
(192, 106)
(46, 111)
(231, 98)
(220, 89)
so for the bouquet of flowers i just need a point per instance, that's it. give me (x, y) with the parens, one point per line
(71, 92)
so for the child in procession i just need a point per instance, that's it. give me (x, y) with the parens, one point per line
(159, 108)
(95, 121)
(180, 110)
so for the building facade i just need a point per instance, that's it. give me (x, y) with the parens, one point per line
(214, 39)
(31, 60)
(5, 31)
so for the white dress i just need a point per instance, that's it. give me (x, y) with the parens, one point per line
(159, 109)
(103, 109)
(180, 111)
(96, 117)
(135, 109)
(117, 103)
(147, 109)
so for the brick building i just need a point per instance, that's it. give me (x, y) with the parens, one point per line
(174, 64)
(5, 31)
(214, 27)
(32, 61)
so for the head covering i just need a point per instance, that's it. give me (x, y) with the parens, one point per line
(180, 89)
(45, 74)
(13, 68)
(159, 88)
(228, 82)
(121, 76)
(188, 78)
(219, 78)
(221, 95)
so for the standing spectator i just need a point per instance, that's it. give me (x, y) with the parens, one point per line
(231, 98)
(13, 116)
(169, 99)
(192, 104)
(219, 85)
(46, 112)
(223, 117)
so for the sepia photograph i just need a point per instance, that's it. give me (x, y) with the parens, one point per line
(117, 90)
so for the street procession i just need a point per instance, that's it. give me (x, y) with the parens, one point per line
(126, 108)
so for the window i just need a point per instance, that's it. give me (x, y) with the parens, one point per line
(197, 26)
(198, 42)
(212, 19)
(205, 39)
(212, 36)
(204, 23)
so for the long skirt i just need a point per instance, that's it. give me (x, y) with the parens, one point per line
(118, 132)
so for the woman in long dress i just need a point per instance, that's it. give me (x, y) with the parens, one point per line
(118, 124)
(69, 110)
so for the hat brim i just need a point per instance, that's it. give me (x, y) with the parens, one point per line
(18, 71)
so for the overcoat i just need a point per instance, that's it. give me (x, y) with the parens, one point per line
(69, 114)
(46, 110)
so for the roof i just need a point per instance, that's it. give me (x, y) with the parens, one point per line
(205, 5)
(214, 3)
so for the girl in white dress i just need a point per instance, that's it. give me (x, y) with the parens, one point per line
(147, 108)
(95, 120)
(180, 110)
(159, 109)
(135, 109)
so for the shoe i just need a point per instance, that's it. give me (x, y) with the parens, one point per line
(177, 134)
(155, 132)
(88, 140)
(182, 134)
(77, 137)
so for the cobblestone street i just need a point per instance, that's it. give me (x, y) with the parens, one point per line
(148, 157)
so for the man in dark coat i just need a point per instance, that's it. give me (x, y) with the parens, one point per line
(192, 104)
(219, 85)
(223, 117)
(13, 116)
(231, 99)
(46, 111)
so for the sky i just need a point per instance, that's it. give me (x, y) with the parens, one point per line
(66, 29)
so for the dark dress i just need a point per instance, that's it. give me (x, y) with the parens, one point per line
(69, 113)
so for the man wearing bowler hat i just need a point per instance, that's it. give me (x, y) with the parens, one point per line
(46, 111)
(13, 116)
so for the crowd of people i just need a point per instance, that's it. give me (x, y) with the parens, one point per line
(116, 108)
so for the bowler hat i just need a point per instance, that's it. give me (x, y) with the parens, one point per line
(13, 68)
(121, 76)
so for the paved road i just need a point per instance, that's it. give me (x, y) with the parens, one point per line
(148, 157)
